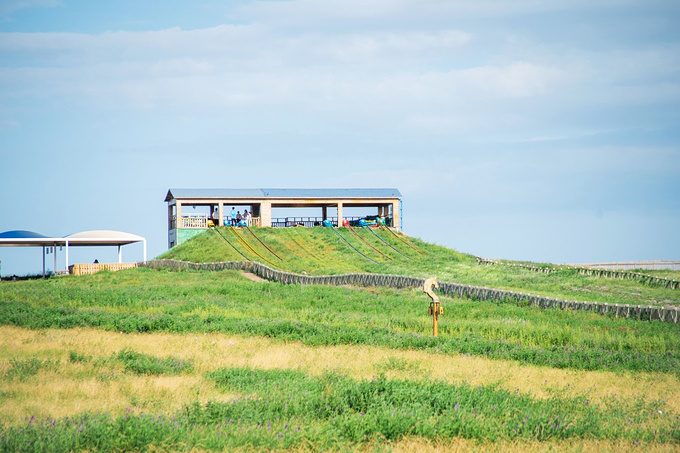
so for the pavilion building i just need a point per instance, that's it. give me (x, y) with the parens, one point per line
(183, 223)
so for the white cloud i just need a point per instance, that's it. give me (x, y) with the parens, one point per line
(240, 64)
(431, 79)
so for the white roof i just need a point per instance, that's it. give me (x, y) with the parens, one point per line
(84, 238)
(99, 237)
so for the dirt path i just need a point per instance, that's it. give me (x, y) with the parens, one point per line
(253, 277)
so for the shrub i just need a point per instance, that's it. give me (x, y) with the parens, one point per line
(146, 364)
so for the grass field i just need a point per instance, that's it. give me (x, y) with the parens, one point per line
(154, 360)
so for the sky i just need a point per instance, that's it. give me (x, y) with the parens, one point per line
(533, 130)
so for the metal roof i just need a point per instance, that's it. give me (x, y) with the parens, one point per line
(21, 234)
(23, 238)
(282, 193)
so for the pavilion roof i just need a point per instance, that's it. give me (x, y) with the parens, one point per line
(233, 194)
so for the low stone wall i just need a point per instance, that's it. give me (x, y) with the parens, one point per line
(641, 312)
(602, 273)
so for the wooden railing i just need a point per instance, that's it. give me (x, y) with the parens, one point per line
(193, 222)
(203, 222)
(284, 222)
(308, 221)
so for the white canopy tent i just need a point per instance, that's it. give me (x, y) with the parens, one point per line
(102, 238)
(94, 238)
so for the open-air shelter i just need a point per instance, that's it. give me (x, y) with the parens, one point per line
(96, 238)
(182, 224)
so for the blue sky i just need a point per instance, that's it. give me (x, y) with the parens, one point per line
(520, 129)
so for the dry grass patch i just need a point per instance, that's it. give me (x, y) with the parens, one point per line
(456, 445)
(100, 385)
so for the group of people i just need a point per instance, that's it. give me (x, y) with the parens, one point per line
(235, 217)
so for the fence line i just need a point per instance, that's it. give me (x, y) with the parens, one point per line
(603, 273)
(673, 265)
(641, 312)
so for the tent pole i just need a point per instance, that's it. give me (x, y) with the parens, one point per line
(55, 259)
(120, 254)
(144, 243)
(67, 255)
(43, 261)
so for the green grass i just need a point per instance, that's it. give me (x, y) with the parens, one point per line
(145, 364)
(145, 300)
(76, 357)
(319, 251)
(288, 409)
(24, 369)
(283, 409)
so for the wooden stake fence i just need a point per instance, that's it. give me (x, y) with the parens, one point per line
(601, 273)
(640, 312)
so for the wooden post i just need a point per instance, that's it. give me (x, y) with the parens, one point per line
(435, 307)
(396, 221)
(266, 214)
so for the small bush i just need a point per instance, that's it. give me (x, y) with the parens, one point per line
(146, 364)
(23, 369)
(76, 357)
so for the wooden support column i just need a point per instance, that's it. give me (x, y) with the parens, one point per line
(339, 214)
(266, 214)
(396, 221)
(220, 212)
(170, 208)
(172, 229)
(324, 212)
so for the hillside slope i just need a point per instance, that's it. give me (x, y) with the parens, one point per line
(321, 251)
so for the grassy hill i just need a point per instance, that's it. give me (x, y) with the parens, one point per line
(320, 251)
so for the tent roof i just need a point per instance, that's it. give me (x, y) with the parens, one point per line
(22, 238)
(102, 237)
